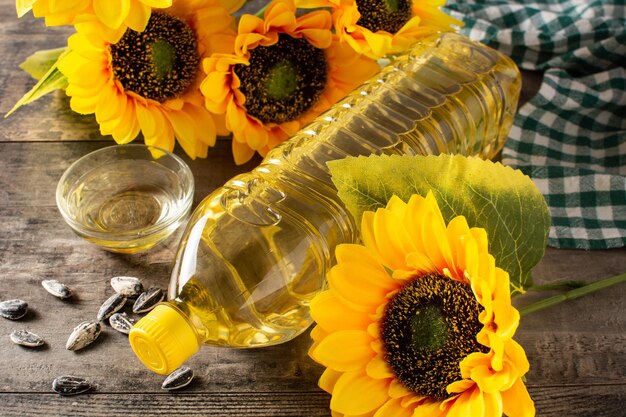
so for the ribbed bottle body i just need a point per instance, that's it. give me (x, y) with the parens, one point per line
(256, 251)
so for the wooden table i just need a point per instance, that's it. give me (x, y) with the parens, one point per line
(577, 350)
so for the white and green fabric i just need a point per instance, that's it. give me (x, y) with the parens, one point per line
(570, 138)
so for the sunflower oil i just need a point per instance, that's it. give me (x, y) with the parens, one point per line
(117, 198)
(256, 251)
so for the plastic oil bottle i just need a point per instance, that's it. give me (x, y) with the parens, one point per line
(256, 251)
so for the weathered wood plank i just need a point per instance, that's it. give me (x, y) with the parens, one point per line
(591, 401)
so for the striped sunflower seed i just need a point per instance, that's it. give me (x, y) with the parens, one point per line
(131, 287)
(121, 322)
(83, 335)
(71, 385)
(26, 338)
(113, 304)
(181, 377)
(148, 300)
(13, 309)
(57, 288)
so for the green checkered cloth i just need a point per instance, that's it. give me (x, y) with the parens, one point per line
(570, 138)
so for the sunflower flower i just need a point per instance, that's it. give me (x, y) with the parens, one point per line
(113, 14)
(281, 73)
(418, 321)
(148, 81)
(380, 27)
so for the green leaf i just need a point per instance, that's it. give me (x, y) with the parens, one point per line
(52, 79)
(499, 199)
(39, 63)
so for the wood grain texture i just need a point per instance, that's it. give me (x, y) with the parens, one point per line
(577, 350)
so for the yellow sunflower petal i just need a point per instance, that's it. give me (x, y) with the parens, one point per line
(113, 107)
(150, 120)
(111, 12)
(81, 46)
(24, 6)
(355, 393)
(65, 6)
(330, 313)
(420, 263)
(182, 123)
(398, 390)
(506, 318)
(164, 138)
(280, 16)
(392, 239)
(429, 409)
(316, 27)
(516, 401)
(393, 408)
(468, 403)
(138, 16)
(345, 350)
(488, 380)
(84, 105)
(378, 368)
(203, 124)
(460, 386)
(329, 379)
(360, 292)
(242, 153)
(493, 404)
(318, 334)
(128, 127)
(463, 247)
(379, 43)
(157, 4)
(434, 236)
(367, 233)
(515, 353)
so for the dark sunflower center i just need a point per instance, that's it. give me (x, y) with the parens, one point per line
(428, 328)
(387, 15)
(283, 80)
(158, 63)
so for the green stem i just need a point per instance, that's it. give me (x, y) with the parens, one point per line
(260, 12)
(559, 285)
(573, 294)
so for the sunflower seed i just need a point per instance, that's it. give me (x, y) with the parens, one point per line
(121, 322)
(71, 385)
(57, 288)
(129, 286)
(26, 338)
(13, 309)
(148, 300)
(113, 304)
(83, 335)
(179, 378)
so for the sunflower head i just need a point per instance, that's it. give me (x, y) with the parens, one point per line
(418, 321)
(282, 71)
(148, 81)
(380, 27)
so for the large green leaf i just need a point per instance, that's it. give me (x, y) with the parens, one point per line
(39, 63)
(499, 199)
(42, 65)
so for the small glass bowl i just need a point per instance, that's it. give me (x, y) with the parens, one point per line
(126, 198)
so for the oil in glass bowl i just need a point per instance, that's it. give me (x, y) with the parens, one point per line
(126, 198)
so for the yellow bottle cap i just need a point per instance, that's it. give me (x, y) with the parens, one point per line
(163, 339)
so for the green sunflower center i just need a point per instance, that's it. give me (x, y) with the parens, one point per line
(428, 328)
(387, 15)
(159, 63)
(283, 80)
